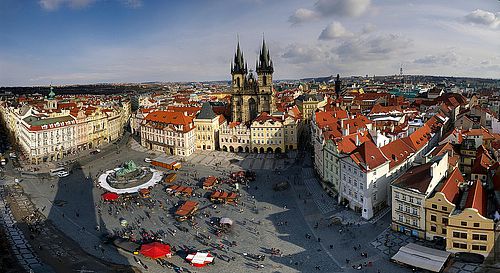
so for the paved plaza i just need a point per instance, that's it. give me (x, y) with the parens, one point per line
(313, 233)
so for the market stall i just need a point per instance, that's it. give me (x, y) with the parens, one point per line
(186, 210)
(200, 259)
(156, 250)
(110, 196)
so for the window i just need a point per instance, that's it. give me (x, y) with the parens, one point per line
(481, 237)
(444, 208)
(476, 224)
(444, 221)
(434, 206)
(479, 247)
(433, 228)
(456, 234)
(433, 218)
(443, 231)
(463, 223)
(460, 245)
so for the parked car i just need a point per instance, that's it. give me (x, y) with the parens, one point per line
(147, 160)
(62, 174)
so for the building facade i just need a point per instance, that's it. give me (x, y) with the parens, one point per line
(171, 133)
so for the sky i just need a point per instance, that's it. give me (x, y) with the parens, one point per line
(98, 41)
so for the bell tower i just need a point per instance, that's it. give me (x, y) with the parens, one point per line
(265, 69)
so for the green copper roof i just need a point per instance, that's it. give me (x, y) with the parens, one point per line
(52, 95)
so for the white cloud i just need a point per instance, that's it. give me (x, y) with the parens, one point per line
(51, 5)
(443, 59)
(299, 53)
(133, 3)
(342, 7)
(302, 15)
(483, 17)
(330, 8)
(377, 47)
(333, 31)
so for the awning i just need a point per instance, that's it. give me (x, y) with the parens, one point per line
(422, 257)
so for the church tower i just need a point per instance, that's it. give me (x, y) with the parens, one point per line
(51, 102)
(251, 95)
(265, 71)
(238, 73)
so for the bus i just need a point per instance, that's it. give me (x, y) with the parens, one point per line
(54, 172)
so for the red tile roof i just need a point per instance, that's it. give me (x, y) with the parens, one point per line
(483, 161)
(368, 156)
(450, 187)
(477, 198)
(397, 152)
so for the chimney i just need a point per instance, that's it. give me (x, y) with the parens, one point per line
(341, 124)
(346, 130)
(357, 140)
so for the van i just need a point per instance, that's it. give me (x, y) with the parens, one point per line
(54, 172)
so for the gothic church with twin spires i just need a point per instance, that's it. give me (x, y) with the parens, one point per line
(250, 95)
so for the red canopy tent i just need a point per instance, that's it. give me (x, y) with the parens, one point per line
(110, 196)
(156, 250)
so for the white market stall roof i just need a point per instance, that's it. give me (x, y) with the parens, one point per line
(226, 220)
(422, 257)
(103, 182)
(200, 258)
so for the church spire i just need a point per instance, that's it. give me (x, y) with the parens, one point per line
(264, 63)
(238, 66)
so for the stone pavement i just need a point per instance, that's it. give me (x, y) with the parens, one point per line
(21, 248)
(136, 146)
(247, 161)
(325, 203)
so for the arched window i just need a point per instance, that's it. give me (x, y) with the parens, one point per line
(238, 82)
(264, 79)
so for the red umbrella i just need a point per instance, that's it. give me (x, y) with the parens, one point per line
(110, 196)
(155, 250)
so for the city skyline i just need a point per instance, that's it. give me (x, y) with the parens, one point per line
(79, 42)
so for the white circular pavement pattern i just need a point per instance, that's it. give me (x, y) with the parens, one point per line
(103, 182)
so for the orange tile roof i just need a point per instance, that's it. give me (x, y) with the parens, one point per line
(418, 139)
(166, 117)
(347, 144)
(479, 132)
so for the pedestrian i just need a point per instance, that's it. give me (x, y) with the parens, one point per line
(319, 240)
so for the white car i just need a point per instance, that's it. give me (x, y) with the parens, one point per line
(62, 174)
(147, 160)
